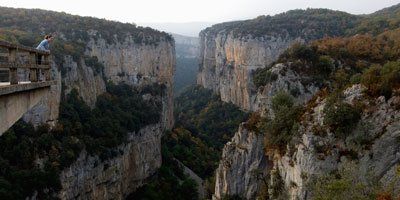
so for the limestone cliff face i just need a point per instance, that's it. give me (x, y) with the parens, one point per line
(124, 62)
(133, 64)
(137, 64)
(91, 178)
(82, 78)
(242, 165)
(227, 63)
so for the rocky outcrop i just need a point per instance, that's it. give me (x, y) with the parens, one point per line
(244, 163)
(228, 62)
(378, 158)
(374, 140)
(92, 178)
(286, 80)
(241, 169)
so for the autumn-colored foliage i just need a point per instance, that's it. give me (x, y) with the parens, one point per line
(379, 49)
(384, 196)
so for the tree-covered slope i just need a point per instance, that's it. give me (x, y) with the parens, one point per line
(375, 23)
(32, 159)
(28, 27)
(313, 23)
(308, 24)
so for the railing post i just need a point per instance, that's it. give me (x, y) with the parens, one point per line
(47, 74)
(12, 58)
(47, 69)
(33, 72)
(45, 59)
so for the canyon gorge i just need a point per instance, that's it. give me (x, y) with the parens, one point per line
(299, 105)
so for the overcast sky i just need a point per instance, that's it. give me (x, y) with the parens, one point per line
(145, 11)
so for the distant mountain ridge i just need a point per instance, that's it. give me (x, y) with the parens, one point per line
(187, 52)
(191, 29)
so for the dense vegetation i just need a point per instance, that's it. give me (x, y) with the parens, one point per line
(203, 125)
(308, 24)
(170, 183)
(348, 183)
(207, 117)
(117, 112)
(334, 64)
(313, 24)
(378, 22)
(39, 22)
(323, 60)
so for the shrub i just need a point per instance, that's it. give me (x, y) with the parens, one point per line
(300, 51)
(93, 62)
(346, 183)
(277, 186)
(381, 81)
(263, 77)
(281, 129)
(281, 100)
(253, 122)
(341, 117)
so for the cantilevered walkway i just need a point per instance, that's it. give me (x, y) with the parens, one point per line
(23, 81)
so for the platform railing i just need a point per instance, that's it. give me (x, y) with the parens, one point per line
(14, 57)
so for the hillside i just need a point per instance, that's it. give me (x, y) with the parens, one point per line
(375, 23)
(308, 24)
(323, 96)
